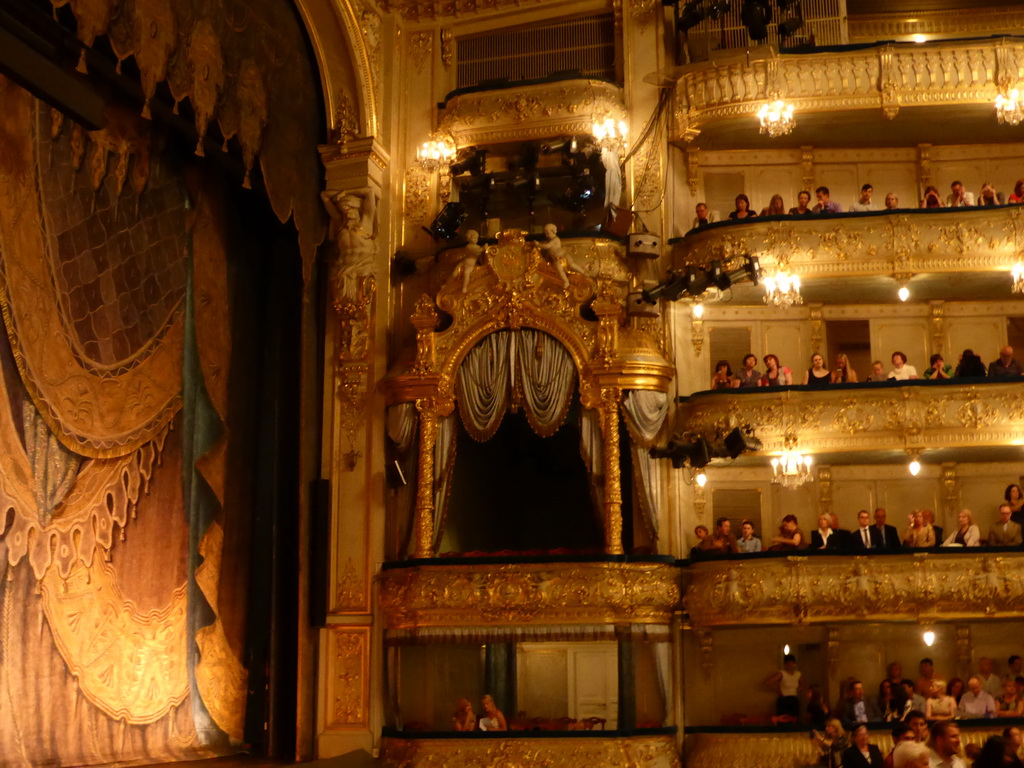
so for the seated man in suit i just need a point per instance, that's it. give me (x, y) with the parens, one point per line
(889, 535)
(861, 754)
(1005, 533)
(866, 536)
(856, 709)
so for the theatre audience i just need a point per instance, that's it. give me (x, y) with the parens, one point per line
(701, 532)
(843, 373)
(919, 535)
(925, 676)
(748, 375)
(931, 198)
(1010, 703)
(748, 542)
(862, 754)
(790, 536)
(889, 535)
(742, 208)
(722, 377)
(1005, 367)
(991, 683)
(803, 201)
(1017, 196)
(817, 708)
(877, 372)
(492, 719)
(889, 706)
(464, 718)
(958, 196)
(825, 537)
(901, 733)
(989, 196)
(891, 202)
(945, 743)
(775, 375)
(825, 203)
(929, 519)
(787, 683)
(1015, 499)
(938, 369)
(704, 216)
(1005, 532)
(865, 537)
(1014, 741)
(817, 376)
(967, 533)
(911, 754)
(723, 541)
(900, 370)
(976, 702)
(940, 705)
(970, 365)
(832, 743)
(775, 207)
(864, 203)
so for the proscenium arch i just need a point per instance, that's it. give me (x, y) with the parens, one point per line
(343, 60)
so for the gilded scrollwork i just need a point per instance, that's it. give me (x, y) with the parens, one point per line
(953, 415)
(911, 587)
(489, 595)
(897, 244)
(525, 752)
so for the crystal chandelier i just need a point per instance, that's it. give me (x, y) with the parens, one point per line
(612, 135)
(435, 153)
(1018, 277)
(1009, 109)
(792, 469)
(782, 289)
(776, 118)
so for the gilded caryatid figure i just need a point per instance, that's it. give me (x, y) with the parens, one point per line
(353, 230)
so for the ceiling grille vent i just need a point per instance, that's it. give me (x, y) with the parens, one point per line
(584, 45)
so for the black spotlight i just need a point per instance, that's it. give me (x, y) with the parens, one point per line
(691, 15)
(447, 222)
(719, 278)
(698, 453)
(738, 441)
(567, 144)
(790, 26)
(475, 164)
(671, 288)
(756, 15)
(581, 191)
(718, 9)
(752, 269)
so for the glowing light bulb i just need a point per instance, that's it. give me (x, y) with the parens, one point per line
(929, 638)
(904, 293)
(702, 479)
(919, 38)
(785, 650)
(915, 467)
(698, 311)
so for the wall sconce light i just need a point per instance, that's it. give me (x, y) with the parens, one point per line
(903, 292)
(1009, 108)
(1018, 277)
(782, 289)
(697, 327)
(914, 465)
(436, 153)
(928, 637)
(793, 468)
(611, 135)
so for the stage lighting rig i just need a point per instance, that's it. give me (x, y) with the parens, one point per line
(475, 164)
(756, 16)
(699, 452)
(693, 281)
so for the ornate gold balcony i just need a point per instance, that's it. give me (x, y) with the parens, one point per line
(882, 417)
(626, 751)
(790, 750)
(818, 589)
(899, 244)
(886, 78)
(485, 595)
(530, 112)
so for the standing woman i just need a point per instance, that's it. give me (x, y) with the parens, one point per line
(775, 374)
(742, 208)
(843, 373)
(817, 376)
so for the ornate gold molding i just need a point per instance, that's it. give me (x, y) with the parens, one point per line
(897, 244)
(886, 77)
(868, 419)
(981, 21)
(526, 752)
(528, 593)
(785, 750)
(545, 110)
(347, 687)
(921, 586)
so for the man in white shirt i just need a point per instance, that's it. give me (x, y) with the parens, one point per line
(945, 752)
(865, 204)
(704, 216)
(991, 683)
(959, 197)
(975, 702)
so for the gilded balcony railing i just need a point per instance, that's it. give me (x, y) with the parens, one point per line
(917, 415)
(886, 77)
(823, 589)
(898, 244)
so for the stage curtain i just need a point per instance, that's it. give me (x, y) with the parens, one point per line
(546, 378)
(483, 383)
(444, 463)
(645, 413)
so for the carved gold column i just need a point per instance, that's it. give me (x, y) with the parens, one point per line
(609, 410)
(424, 521)
(924, 167)
(807, 168)
(824, 490)
(938, 325)
(950, 492)
(817, 329)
